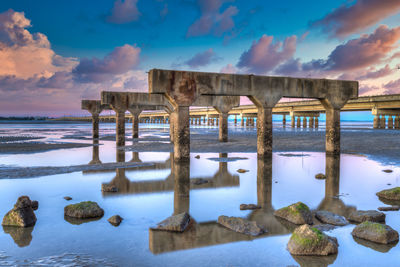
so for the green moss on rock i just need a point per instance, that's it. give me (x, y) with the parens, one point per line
(392, 194)
(297, 213)
(86, 209)
(375, 232)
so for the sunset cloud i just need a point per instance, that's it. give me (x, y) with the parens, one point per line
(124, 11)
(352, 18)
(202, 59)
(212, 20)
(229, 69)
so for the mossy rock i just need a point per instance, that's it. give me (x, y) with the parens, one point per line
(297, 213)
(309, 241)
(320, 176)
(391, 194)
(21, 215)
(367, 215)
(84, 210)
(375, 232)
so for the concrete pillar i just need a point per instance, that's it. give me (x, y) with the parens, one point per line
(292, 121)
(376, 122)
(235, 120)
(253, 121)
(241, 120)
(383, 122)
(171, 127)
(332, 145)
(304, 122)
(191, 121)
(311, 122)
(298, 122)
(316, 122)
(264, 132)
(217, 121)
(396, 122)
(135, 125)
(284, 121)
(181, 133)
(120, 128)
(223, 127)
(95, 126)
(390, 122)
(247, 121)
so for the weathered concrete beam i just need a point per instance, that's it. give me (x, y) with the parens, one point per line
(95, 108)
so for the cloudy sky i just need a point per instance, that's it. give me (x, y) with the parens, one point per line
(55, 53)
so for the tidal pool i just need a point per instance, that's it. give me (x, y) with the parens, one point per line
(149, 194)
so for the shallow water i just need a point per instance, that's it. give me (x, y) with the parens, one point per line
(148, 195)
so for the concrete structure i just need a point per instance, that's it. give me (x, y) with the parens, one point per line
(182, 89)
(95, 108)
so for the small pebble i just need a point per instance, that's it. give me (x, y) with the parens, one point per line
(68, 198)
(115, 220)
(242, 170)
(320, 176)
(389, 208)
(197, 157)
(387, 171)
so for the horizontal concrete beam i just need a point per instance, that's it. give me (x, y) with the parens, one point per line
(94, 106)
(386, 112)
(126, 100)
(304, 114)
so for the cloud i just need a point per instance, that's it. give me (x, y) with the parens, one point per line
(124, 11)
(349, 19)
(265, 55)
(212, 20)
(229, 69)
(392, 87)
(376, 74)
(120, 60)
(202, 59)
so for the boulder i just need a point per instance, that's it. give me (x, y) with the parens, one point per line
(389, 208)
(249, 207)
(35, 204)
(309, 241)
(84, 210)
(175, 223)
(115, 220)
(387, 170)
(330, 218)
(320, 176)
(375, 232)
(68, 198)
(241, 225)
(197, 157)
(391, 194)
(22, 215)
(109, 188)
(367, 215)
(297, 213)
(242, 170)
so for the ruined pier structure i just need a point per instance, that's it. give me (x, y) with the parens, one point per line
(176, 91)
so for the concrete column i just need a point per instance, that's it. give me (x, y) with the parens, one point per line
(264, 132)
(135, 125)
(235, 120)
(120, 128)
(292, 121)
(316, 122)
(376, 122)
(181, 133)
(298, 122)
(311, 122)
(390, 122)
(223, 127)
(284, 121)
(332, 145)
(191, 121)
(383, 122)
(241, 120)
(396, 122)
(217, 121)
(171, 126)
(95, 126)
(304, 122)
(253, 121)
(247, 121)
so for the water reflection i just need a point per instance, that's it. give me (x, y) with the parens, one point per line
(95, 153)
(375, 246)
(22, 236)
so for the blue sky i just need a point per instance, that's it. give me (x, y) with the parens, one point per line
(88, 46)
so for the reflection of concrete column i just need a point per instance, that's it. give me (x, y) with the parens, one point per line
(332, 172)
(95, 153)
(181, 172)
(304, 122)
(120, 128)
(376, 122)
(181, 133)
(298, 122)
(223, 127)
(390, 122)
(332, 131)
(264, 131)
(383, 122)
(264, 181)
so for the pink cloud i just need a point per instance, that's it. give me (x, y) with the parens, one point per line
(265, 55)
(202, 59)
(392, 87)
(124, 12)
(229, 69)
(212, 20)
(349, 19)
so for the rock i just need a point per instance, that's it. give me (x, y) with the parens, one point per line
(249, 207)
(115, 220)
(297, 213)
(389, 208)
(68, 198)
(330, 218)
(367, 215)
(84, 210)
(376, 232)
(200, 181)
(391, 194)
(197, 157)
(241, 225)
(387, 171)
(35, 204)
(320, 176)
(324, 227)
(21, 215)
(242, 170)
(310, 241)
(175, 223)
(109, 188)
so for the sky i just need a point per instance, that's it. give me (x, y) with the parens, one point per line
(55, 53)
